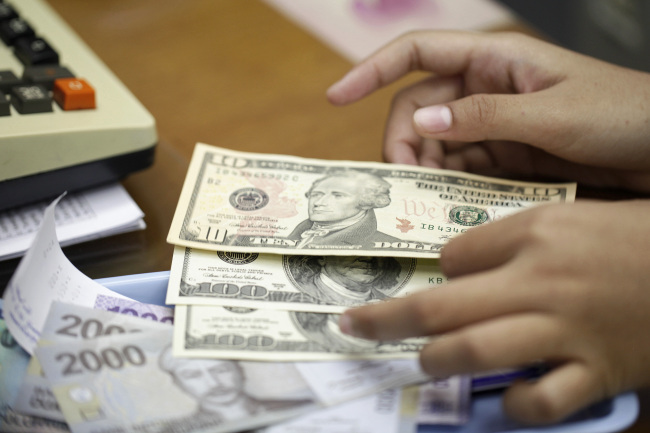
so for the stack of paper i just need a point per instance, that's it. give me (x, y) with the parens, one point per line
(80, 217)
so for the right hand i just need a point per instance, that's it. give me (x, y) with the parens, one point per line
(513, 105)
(563, 284)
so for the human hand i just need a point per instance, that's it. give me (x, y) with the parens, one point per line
(568, 285)
(507, 103)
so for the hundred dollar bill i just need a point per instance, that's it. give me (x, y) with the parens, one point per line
(203, 331)
(248, 202)
(132, 382)
(72, 322)
(327, 284)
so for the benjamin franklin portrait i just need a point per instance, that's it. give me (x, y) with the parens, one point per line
(348, 280)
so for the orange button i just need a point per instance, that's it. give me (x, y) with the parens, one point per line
(73, 94)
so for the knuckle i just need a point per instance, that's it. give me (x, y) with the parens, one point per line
(544, 408)
(426, 316)
(544, 224)
(483, 109)
(423, 312)
(474, 352)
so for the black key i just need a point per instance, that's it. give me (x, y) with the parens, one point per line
(45, 75)
(8, 80)
(35, 51)
(4, 105)
(15, 28)
(7, 12)
(30, 99)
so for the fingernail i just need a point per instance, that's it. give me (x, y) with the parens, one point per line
(436, 118)
(345, 324)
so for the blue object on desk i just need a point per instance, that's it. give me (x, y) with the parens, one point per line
(486, 414)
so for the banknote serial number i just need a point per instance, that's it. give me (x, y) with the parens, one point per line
(441, 228)
(249, 174)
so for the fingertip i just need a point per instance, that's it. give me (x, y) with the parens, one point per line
(399, 153)
(351, 87)
(433, 119)
(335, 93)
(352, 324)
(346, 324)
(449, 260)
(524, 403)
(551, 398)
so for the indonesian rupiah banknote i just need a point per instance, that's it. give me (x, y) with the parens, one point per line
(13, 364)
(248, 202)
(328, 284)
(132, 382)
(324, 383)
(73, 322)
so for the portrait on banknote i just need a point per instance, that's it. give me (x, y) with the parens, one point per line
(295, 282)
(348, 280)
(323, 329)
(341, 210)
(219, 389)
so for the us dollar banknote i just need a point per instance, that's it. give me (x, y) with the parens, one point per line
(205, 331)
(326, 284)
(132, 382)
(248, 202)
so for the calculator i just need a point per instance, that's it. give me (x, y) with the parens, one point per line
(66, 121)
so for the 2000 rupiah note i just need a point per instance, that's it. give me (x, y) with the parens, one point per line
(132, 383)
(248, 202)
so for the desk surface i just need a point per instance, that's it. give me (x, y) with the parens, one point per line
(234, 74)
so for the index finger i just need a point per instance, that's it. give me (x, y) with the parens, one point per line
(459, 303)
(441, 52)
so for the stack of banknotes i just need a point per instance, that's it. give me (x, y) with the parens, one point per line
(270, 250)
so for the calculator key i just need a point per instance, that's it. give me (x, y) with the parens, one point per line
(35, 51)
(7, 80)
(4, 105)
(14, 29)
(7, 12)
(74, 94)
(45, 74)
(30, 99)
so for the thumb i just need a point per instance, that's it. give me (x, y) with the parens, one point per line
(481, 117)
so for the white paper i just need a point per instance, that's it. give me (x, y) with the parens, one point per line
(335, 382)
(79, 217)
(45, 275)
(356, 28)
(375, 413)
